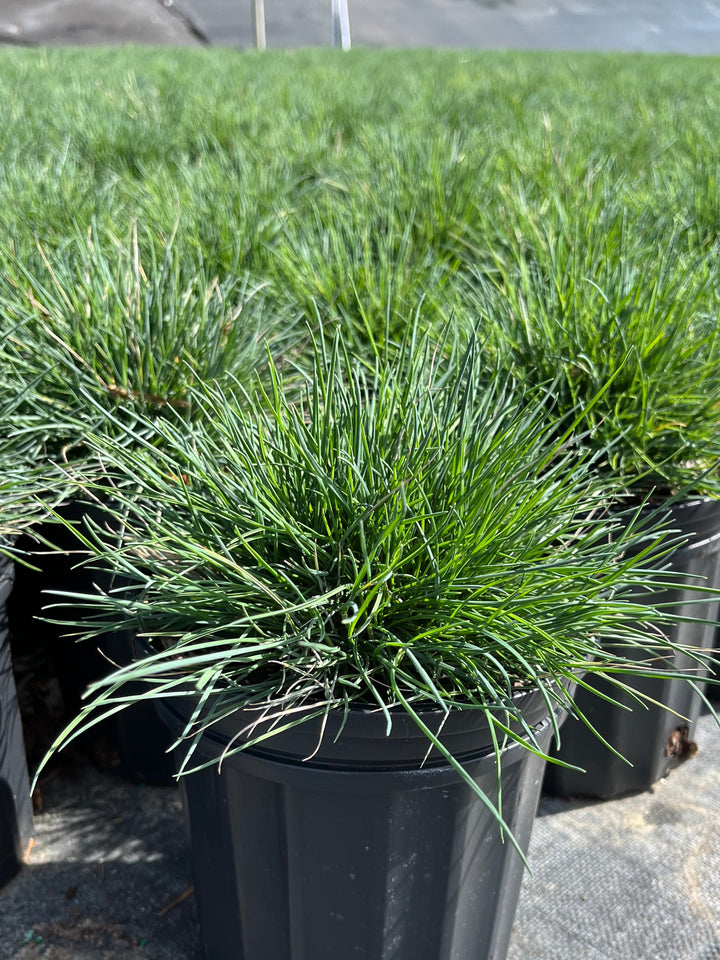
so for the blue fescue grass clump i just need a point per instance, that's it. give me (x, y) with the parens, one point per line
(624, 327)
(249, 159)
(404, 536)
(131, 329)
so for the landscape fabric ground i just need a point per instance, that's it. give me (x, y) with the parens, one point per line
(641, 25)
(637, 877)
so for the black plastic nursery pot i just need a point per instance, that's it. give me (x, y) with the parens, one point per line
(138, 737)
(654, 740)
(358, 848)
(15, 804)
(713, 690)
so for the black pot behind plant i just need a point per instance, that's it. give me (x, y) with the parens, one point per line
(713, 690)
(137, 737)
(15, 805)
(362, 849)
(654, 740)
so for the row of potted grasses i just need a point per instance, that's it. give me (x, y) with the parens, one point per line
(383, 428)
(411, 531)
(614, 327)
(254, 155)
(376, 169)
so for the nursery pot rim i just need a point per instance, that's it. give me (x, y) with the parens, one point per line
(359, 739)
(686, 515)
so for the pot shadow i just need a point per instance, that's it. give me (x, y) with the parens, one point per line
(99, 811)
(53, 669)
(108, 873)
(87, 910)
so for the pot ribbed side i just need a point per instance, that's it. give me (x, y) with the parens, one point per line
(297, 860)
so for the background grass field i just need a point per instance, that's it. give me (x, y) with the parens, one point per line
(557, 203)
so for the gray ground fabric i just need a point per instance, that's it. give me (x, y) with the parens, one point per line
(637, 878)
(631, 879)
(86, 22)
(682, 26)
(109, 857)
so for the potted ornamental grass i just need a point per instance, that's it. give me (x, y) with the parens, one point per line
(364, 613)
(130, 322)
(597, 312)
(101, 330)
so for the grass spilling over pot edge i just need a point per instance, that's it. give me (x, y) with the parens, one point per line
(403, 537)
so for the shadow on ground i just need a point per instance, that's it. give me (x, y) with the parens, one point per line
(107, 876)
